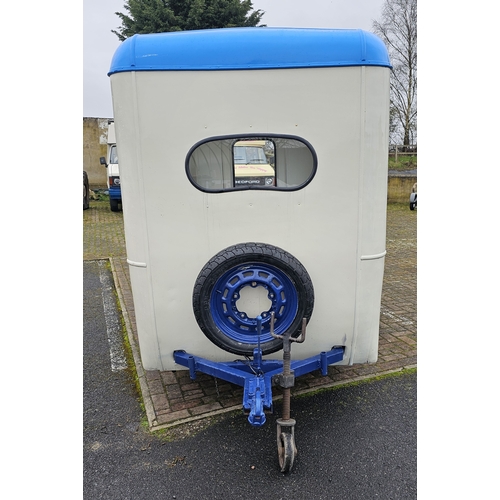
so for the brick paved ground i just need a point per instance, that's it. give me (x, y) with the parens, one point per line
(171, 397)
(103, 235)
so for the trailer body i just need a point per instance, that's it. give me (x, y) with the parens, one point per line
(319, 98)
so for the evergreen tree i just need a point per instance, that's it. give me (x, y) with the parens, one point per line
(159, 16)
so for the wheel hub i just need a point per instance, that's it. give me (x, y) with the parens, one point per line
(229, 288)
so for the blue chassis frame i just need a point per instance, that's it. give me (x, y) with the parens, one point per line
(257, 376)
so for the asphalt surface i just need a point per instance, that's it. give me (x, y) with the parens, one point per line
(411, 172)
(356, 441)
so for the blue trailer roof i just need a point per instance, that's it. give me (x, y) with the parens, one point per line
(249, 48)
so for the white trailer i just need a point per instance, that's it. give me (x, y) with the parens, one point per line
(212, 260)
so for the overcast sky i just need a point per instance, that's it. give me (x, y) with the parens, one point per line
(99, 44)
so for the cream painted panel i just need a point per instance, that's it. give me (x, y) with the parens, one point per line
(373, 186)
(131, 175)
(372, 214)
(364, 347)
(145, 318)
(135, 217)
(177, 228)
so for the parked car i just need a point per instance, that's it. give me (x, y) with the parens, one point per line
(86, 191)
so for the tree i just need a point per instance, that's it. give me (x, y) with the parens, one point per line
(398, 29)
(159, 16)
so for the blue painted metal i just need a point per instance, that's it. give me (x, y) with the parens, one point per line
(115, 193)
(256, 376)
(249, 48)
(236, 324)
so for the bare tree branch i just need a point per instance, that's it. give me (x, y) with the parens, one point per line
(398, 30)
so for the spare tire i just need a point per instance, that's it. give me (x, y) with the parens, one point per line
(218, 287)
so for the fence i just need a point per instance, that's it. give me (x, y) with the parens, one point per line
(401, 150)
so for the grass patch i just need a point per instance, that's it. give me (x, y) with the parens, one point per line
(404, 162)
(129, 356)
(100, 195)
(397, 207)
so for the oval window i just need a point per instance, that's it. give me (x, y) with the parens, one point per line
(235, 163)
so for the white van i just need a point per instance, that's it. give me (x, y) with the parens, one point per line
(111, 163)
(251, 165)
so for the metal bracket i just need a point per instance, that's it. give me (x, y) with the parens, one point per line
(284, 381)
(257, 392)
(258, 375)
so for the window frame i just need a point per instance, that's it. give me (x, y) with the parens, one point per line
(253, 136)
(113, 154)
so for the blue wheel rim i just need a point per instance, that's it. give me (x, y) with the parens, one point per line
(236, 324)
